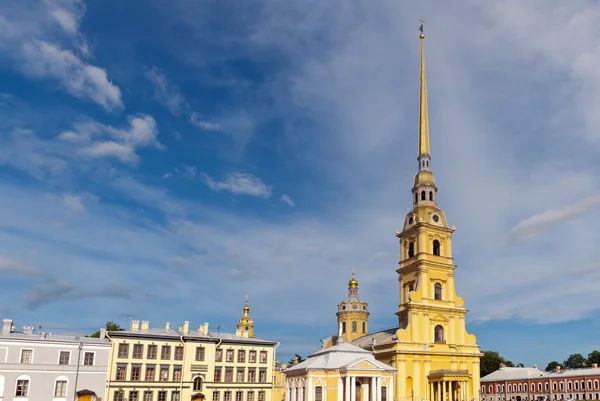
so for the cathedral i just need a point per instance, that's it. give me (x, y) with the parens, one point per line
(434, 356)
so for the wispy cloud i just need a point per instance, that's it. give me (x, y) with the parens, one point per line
(285, 198)
(240, 184)
(166, 92)
(204, 125)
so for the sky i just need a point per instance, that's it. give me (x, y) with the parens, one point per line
(161, 159)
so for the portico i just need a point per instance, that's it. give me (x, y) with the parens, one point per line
(449, 385)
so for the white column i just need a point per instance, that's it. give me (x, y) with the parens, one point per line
(340, 390)
(443, 390)
(287, 392)
(309, 389)
(373, 388)
(353, 388)
(293, 389)
(301, 394)
(379, 389)
(347, 388)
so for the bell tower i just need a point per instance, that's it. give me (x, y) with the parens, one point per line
(245, 326)
(352, 314)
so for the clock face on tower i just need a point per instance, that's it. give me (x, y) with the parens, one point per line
(436, 218)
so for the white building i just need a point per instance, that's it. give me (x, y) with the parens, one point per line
(43, 366)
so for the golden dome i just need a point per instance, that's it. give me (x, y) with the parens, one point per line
(353, 283)
(424, 177)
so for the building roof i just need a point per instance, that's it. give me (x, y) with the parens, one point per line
(339, 356)
(49, 337)
(380, 337)
(574, 373)
(172, 333)
(504, 374)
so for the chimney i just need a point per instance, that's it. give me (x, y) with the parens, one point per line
(557, 368)
(168, 326)
(145, 324)
(7, 326)
(28, 330)
(135, 325)
(501, 366)
(102, 333)
(535, 366)
(186, 327)
(203, 328)
(594, 366)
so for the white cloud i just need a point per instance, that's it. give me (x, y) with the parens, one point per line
(111, 149)
(240, 184)
(165, 91)
(285, 198)
(74, 203)
(204, 125)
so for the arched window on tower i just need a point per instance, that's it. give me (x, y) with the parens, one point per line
(430, 195)
(411, 249)
(364, 324)
(416, 197)
(198, 384)
(436, 247)
(437, 291)
(439, 334)
(354, 328)
(343, 327)
(423, 195)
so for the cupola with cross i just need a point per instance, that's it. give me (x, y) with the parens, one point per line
(353, 314)
(245, 326)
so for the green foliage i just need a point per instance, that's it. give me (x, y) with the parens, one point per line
(594, 357)
(575, 361)
(110, 326)
(520, 365)
(490, 362)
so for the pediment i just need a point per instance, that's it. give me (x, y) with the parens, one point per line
(364, 364)
(439, 319)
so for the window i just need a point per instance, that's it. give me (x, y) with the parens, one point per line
(540, 387)
(416, 197)
(262, 376)
(121, 372)
(136, 373)
(554, 386)
(218, 355)
(252, 356)
(250, 396)
(263, 356)
(343, 327)
(384, 393)
(88, 359)
(165, 352)
(148, 395)
(241, 356)
(589, 385)
(162, 396)
(319, 393)
(175, 396)
(229, 357)
(546, 386)
(216, 396)
(228, 375)
(119, 396)
(251, 375)
(60, 389)
(354, 329)
(227, 396)
(177, 374)
(411, 249)
(520, 387)
(134, 396)
(64, 357)
(436, 247)
(138, 351)
(532, 387)
(240, 375)
(510, 388)
(422, 195)
(26, 356)
(595, 384)
(562, 386)
(123, 350)
(179, 353)
(482, 389)
(152, 351)
(164, 374)
(439, 334)
(198, 384)
(437, 291)
(430, 195)
(261, 396)
(238, 396)
(199, 353)
(364, 327)
(217, 375)
(22, 389)
(150, 373)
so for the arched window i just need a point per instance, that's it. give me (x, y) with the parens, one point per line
(436, 247)
(570, 386)
(416, 197)
(383, 393)
(576, 385)
(430, 195)
(423, 195)
(562, 386)
(546, 386)
(554, 386)
(540, 387)
(22, 386)
(490, 388)
(198, 384)
(318, 393)
(520, 387)
(364, 327)
(343, 327)
(437, 291)
(595, 384)
(589, 384)
(482, 389)
(439, 334)
(411, 249)
(354, 328)
(510, 388)
(60, 387)
(532, 388)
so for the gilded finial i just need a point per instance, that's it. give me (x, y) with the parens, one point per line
(246, 299)
(422, 35)
(353, 283)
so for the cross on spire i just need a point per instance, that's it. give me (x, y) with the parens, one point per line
(422, 24)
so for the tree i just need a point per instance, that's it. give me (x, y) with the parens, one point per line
(490, 362)
(575, 361)
(296, 359)
(509, 364)
(110, 326)
(552, 365)
(520, 365)
(594, 357)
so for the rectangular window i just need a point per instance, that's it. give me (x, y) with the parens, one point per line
(22, 389)
(262, 376)
(227, 396)
(250, 396)
(60, 389)
(177, 374)
(219, 355)
(238, 396)
(165, 352)
(162, 396)
(164, 373)
(229, 357)
(252, 356)
(216, 396)
(319, 393)
(150, 373)
(364, 324)
(383, 393)
(251, 375)
(138, 351)
(26, 356)
(228, 375)
(88, 359)
(263, 356)
(152, 351)
(354, 329)
(217, 375)
(241, 356)
(64, 357)
(179, 353)
(148, 395)
(119, 396)
(136, 372)
(121, 372)
(240, 375)
(123, 350)
(199, 353)
(175, 396)
(134, 396)
(343, 327)
(261, 396)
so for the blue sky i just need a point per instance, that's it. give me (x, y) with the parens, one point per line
(161, 159)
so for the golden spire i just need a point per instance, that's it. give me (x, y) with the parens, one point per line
(353, 283)
(246, 309)
(423, 113)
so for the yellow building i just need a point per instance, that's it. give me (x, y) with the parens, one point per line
(165, 364)
(435, 357)
(343, 372)
(279, 381)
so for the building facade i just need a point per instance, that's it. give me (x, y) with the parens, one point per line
(527, 384)
(166, 364)
(43, 366)
(434, 355)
